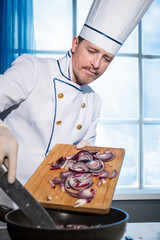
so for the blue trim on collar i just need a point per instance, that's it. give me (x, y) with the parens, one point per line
(103, 34)
(69, 54)
(54, 119)
(68, 84)
(61, 71)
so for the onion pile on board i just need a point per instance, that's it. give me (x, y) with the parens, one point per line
(81, 168)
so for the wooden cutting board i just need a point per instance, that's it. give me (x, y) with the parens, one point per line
(38, 185)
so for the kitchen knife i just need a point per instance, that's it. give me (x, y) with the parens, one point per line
(25, 201)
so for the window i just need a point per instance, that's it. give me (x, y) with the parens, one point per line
(130, 116)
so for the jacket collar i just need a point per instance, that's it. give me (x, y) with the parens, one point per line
(65, 66)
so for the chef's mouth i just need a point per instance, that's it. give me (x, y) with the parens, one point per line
(91, 72)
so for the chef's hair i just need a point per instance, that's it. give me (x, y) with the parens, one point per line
(80, 39)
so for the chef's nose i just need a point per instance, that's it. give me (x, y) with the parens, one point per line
(96, 62)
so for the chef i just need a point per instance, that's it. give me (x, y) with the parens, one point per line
(44, 102)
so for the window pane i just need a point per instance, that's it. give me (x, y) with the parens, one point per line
(151, 73)
(131, 44)
(121, 136)
(151, 29)
(151, 155)
(118, 89)
(53, 24)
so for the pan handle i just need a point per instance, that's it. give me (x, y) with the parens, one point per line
(3, 211)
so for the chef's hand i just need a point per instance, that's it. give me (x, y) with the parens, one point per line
(82, 144)
(8, 152)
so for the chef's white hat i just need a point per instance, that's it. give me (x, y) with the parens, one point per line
(109, 22)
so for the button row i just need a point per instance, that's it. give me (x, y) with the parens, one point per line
(61, 95)
(79, 126)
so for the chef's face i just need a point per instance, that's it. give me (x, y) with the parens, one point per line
(88, 61)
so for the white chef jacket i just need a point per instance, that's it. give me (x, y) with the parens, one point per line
(43, 107)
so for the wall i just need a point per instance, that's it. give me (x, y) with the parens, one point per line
(140, 210)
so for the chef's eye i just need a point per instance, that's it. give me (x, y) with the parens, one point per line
(91, 51)
(107, 59)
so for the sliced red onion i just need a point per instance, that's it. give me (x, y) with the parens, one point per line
(73, 194)
(64, 175)
(106, 156)
(76, 226)
(61, 160)
(52, 184)
(79, 167)
(88, 182)
(56, 181)
(85, 157)
(77, 183)
(48, 198)
(80, 202)
(97, 174)
(66, 186)
(100, 169)
(94, 165)
(103, 180)
(82, 176)
(105, 174)
(86, 193)
(84, 152)
(99, 183)
(114, 174)
(68, 163)
(54, 166)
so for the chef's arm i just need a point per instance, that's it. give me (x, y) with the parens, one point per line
(18, 82)
(8, 151)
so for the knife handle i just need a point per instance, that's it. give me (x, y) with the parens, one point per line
(3, 170)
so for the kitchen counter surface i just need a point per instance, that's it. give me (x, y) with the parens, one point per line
(143, 231)
(3, 232)
(136, 231)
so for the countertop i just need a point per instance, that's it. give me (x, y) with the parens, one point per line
(3, 232)
(136, 231)
(143, 231)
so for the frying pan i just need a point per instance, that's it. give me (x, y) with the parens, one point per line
(112, 225)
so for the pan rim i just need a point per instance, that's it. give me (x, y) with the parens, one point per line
(124, 220)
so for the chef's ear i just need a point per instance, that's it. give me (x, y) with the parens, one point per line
(75, 43)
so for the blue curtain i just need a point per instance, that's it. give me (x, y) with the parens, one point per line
(16, 30)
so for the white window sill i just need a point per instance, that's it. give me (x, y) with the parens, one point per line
(136, 194)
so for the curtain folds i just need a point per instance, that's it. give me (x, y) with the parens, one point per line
(16, 30)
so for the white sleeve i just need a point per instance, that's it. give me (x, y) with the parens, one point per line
(91, 133)
(18, 81)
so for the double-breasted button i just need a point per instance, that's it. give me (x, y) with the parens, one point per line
(79, 126)
(83, 105)
(60, 95)
(58, 122)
